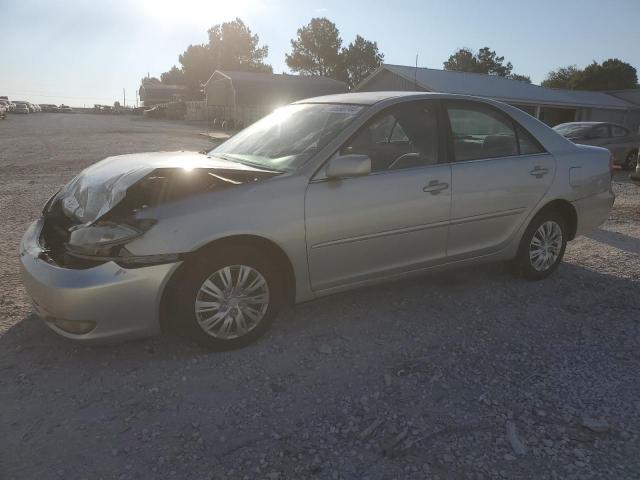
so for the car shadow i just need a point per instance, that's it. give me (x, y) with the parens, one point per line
(472, 286)
(616, 240)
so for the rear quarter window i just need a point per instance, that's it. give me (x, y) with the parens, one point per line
(617, 131)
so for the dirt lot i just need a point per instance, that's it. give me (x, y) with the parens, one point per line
(469, 374)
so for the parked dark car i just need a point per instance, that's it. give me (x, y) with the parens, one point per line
(622, 143)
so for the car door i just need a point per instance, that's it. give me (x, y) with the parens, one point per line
(498, 175)
(391, 220)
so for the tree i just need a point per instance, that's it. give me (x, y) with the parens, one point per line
(492, 63)
(197, 65)
(231, 46)
(612, 74)
(563, 77)
(520, 78)
(234, 47)
(175, 76)
(360, 58)
(485, 61)
(463, 60)
(316, 50)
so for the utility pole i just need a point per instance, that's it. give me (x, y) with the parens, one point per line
(415, 74)
(124, 98)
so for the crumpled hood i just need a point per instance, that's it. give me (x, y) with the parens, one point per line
(100, 187)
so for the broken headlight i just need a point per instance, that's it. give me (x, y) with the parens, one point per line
(101, 239)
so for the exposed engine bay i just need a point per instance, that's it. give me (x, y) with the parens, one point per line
(86, 221)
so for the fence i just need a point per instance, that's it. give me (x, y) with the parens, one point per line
(233, 117)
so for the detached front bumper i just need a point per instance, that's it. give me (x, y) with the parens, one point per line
(115, 303)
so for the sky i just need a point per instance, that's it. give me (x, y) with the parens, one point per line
(81, 52)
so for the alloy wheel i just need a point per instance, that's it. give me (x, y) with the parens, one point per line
(232, 301)
(545, 246)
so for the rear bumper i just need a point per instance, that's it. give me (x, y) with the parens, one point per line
(123, 303)
(593, 211)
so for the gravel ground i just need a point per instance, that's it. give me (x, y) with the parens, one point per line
(467, 374)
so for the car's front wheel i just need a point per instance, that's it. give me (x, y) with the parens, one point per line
(542, 246)
(227, 299)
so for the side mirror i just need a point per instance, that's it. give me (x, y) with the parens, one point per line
(344, 166)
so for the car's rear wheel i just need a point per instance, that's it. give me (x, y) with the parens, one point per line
(542, 246)
(227, 299)
(631, 160)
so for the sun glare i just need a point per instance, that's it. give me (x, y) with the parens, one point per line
(197, 11)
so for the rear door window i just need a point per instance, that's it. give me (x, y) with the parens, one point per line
(480, 132)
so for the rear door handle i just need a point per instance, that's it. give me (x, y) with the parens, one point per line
(539, 172)
(435, 187)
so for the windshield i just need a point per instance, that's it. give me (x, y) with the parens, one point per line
(572, 129)
(287, 138)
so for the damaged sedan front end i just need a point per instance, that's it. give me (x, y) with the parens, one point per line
(76, 266)
(212, 244)
(94, 216)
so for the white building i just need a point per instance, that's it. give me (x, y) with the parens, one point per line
(246, 96)
(551, 105)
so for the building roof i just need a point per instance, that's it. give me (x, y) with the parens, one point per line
(500, 88)
(630, 95)
(254, 88)
(154, 91)
(260, 77)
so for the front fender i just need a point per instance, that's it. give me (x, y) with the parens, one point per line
(272, 209)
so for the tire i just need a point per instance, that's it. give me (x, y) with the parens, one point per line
(536, 267)
(631, 160)
(199, 301)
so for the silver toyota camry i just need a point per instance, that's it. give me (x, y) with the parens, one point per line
(321, 196)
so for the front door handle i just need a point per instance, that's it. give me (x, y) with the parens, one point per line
(539, 172)
(435, 187)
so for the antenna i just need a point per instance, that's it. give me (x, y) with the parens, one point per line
(415, 74)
